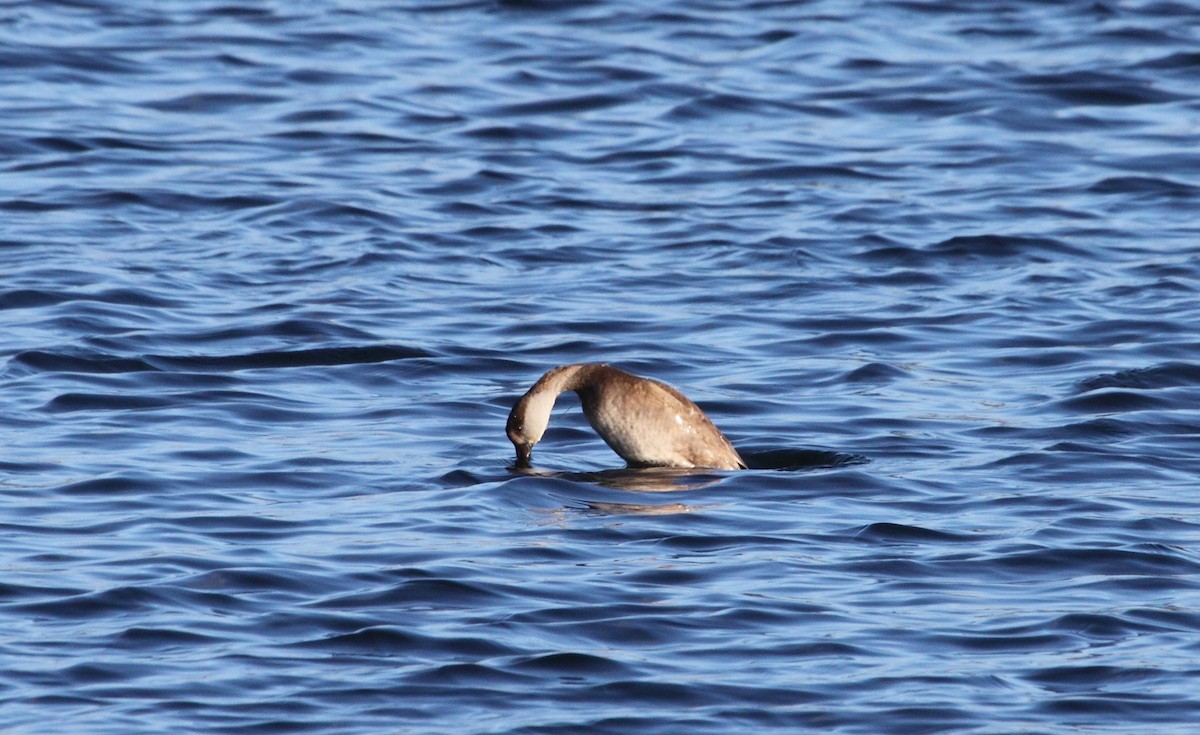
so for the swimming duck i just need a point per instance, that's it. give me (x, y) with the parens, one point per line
(648, 423)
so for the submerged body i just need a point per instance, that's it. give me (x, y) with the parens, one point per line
(648, 423)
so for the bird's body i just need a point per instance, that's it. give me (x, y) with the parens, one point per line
(648, 423)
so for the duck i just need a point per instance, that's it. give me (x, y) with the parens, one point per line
(647, 422)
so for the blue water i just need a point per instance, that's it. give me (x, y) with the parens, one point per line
(273, 274)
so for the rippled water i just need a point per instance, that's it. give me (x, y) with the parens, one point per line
(273, 274)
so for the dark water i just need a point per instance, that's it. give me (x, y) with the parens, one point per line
(274, 272)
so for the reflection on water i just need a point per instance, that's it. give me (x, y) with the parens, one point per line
(639, 479)
(672, 479)
(606, 508)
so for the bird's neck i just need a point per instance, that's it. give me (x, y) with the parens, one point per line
(566, 377)
(536, 405)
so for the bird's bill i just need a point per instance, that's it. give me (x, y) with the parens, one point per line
(524, 452)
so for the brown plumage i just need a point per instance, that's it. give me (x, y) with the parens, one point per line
(648, 423)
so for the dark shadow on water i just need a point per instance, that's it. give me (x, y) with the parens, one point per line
(669, 479)
(672, 478)
(799, 460)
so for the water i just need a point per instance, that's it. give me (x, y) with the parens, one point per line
(274, 273)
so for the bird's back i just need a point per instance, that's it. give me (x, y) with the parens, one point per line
(650, 423)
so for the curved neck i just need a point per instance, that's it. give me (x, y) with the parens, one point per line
(535, 406)
(564, 378)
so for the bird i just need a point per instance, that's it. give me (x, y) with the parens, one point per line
(647, 422)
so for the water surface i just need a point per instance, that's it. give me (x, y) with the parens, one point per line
(273, 274)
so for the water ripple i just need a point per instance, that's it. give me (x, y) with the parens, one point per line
(274, 275)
